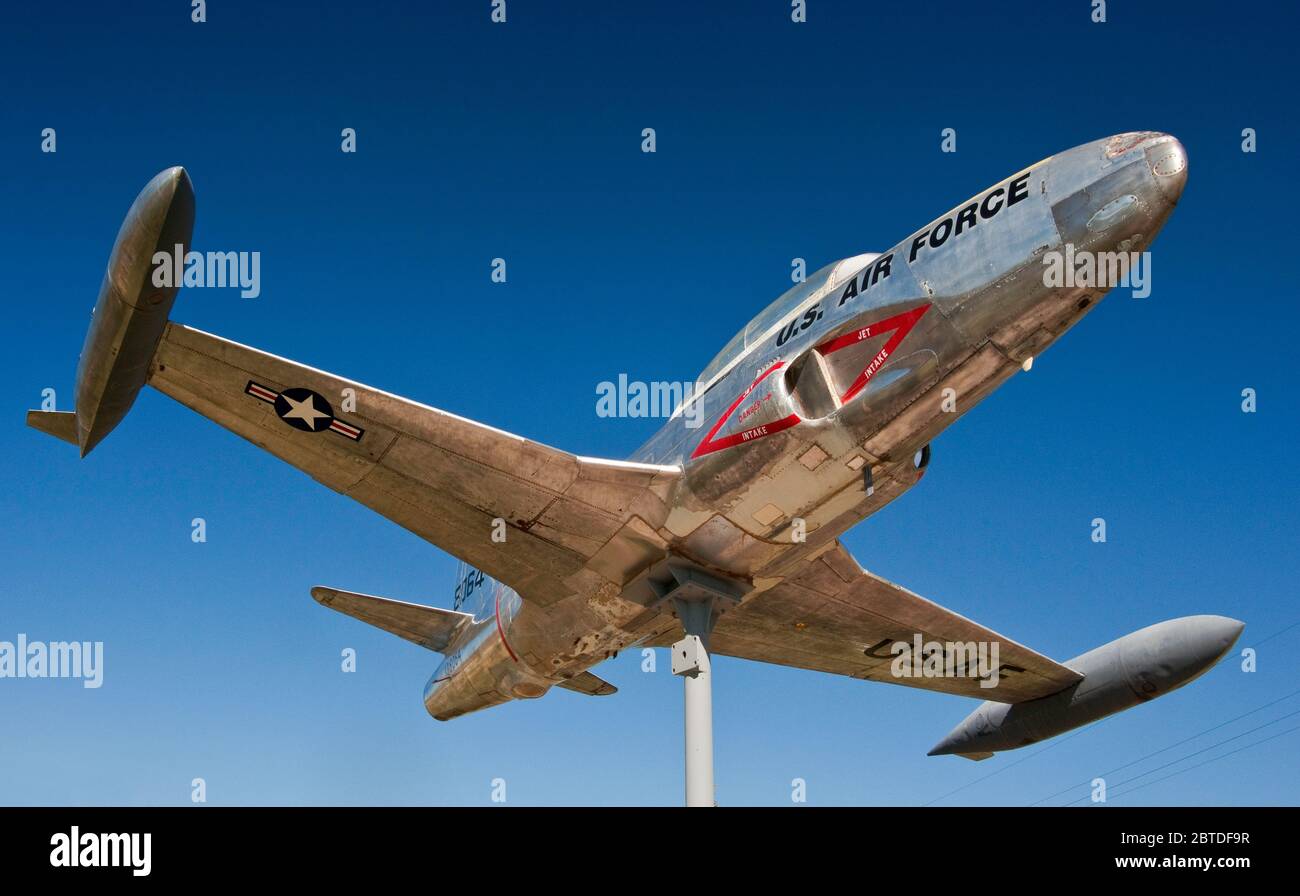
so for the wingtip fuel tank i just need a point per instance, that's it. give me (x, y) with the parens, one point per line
(1134, 669)
(130, 313)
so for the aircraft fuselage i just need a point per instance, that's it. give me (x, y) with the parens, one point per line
(821, 411)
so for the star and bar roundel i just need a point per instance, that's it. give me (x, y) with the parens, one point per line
(898, 326)
(304, 409)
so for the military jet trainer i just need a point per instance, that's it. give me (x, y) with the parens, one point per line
(721, 539)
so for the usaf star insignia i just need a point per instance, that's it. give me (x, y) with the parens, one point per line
(304, 409)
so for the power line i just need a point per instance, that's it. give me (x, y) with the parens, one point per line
(1170, 747)
(1215, 759)
(1199, 752)
(1279, 632)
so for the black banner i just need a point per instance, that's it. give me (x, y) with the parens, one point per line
(334, 845)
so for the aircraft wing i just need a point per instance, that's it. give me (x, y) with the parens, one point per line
(569, 521)
(831, 615)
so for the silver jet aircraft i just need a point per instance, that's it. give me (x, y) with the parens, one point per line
(718, 539)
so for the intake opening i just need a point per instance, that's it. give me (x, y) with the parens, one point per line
(808, 382)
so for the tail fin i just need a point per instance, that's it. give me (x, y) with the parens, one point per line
(430, 627)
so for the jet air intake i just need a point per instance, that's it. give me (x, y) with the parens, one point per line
(1136, 668)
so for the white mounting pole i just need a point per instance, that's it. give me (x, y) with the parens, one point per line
(691, 661)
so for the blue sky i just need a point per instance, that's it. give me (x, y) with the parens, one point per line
(522, 141)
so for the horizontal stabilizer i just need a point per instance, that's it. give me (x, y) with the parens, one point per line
(591, 685)
(430, 627)
(60, 424)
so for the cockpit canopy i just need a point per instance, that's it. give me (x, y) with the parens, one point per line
(790, 303)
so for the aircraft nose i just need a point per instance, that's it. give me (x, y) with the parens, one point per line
(1168, 162)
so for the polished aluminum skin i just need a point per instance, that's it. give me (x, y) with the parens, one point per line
(818, 413)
